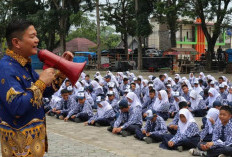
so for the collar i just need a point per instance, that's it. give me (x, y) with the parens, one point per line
(20, 59)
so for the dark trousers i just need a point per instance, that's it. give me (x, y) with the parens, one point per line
(164, 115)
(61, 114)
(104, 121)
(199, 113)
(131, 128)
(226, 150)
(204, 120)
(84, 117)
(187, 143)
(208, 138)
(155, 137)
(172, 131)
(214, 152)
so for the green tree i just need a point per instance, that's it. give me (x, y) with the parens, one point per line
(121, 14)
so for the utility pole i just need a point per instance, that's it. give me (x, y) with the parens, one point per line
(98, 36)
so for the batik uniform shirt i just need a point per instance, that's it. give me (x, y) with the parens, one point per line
(66, 106)
(191, 131)
(164, 108)
(219, 98)
(205, 131)
(217, 135)
(224, 95)
(157, 127)
(149, 103)
(201, 105)
(86, 108)
(108, 114)
(175, 119)
(186, 96)
(114, 104)
(134, 116)
(22, 124)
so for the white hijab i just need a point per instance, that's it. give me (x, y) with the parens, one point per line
(198, 89)
(95, 85)
(105, 107)
(212, 113)
(150, 77)
(159, 102)
(189, 117)
(215, 94)
(188, 84)
(197, 99)
(134, 98)
(229, 96)
(202, 76)
(177, 103)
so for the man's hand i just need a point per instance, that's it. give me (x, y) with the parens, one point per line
(92, 122)
(114, 131)
(170, 143)
(58, 112)
(73, 116)
(47, 76)
(144, 115)
(66, 119)
(209, 145)
(212, 121)
(68, 55)
(86, 123)
(144, 131)
(148, 134)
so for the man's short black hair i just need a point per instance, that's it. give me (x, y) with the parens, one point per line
(63, 91)
(221, 78)
(209, 81)
(139, 79)
(184, 86)
(96, 80)
(227, 108)
(152, 91)
(133, 83)
(183, 104)
(16, 29)
(200, 81)
(87, 75)
(67, 80)
(206, 92)
(160, 76)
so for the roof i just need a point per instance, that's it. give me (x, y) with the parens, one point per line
(77, 44)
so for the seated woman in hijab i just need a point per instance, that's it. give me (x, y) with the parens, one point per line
(174, 107)
(213, 96)
(187, 135)
(133, 100)
(162, 105)
(198, 106)
(105, 114)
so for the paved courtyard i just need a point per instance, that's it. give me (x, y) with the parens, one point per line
(68, 139)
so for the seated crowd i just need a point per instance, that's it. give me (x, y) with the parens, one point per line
(131, 105)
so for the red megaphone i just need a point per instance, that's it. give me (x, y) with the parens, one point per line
(70, 69)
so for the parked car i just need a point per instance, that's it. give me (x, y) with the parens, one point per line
(153, 53)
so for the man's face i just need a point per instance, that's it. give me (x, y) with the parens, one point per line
(111, 97)
(125, 81)
(221, 90)
(151, 95)
(220, 81)
(67, 83)
(65, 96)
(107, 79)
(29, 42)
(132, 86)
(81, 101)
(87, 78)
(185, 90)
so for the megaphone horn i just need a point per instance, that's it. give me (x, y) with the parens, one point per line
(70, 69)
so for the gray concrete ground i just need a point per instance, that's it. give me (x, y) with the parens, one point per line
(73, 139)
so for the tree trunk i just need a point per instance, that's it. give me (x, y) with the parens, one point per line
(140, 63)
(98, 36)
(62, 29)
(125, 43)
(173, 36)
